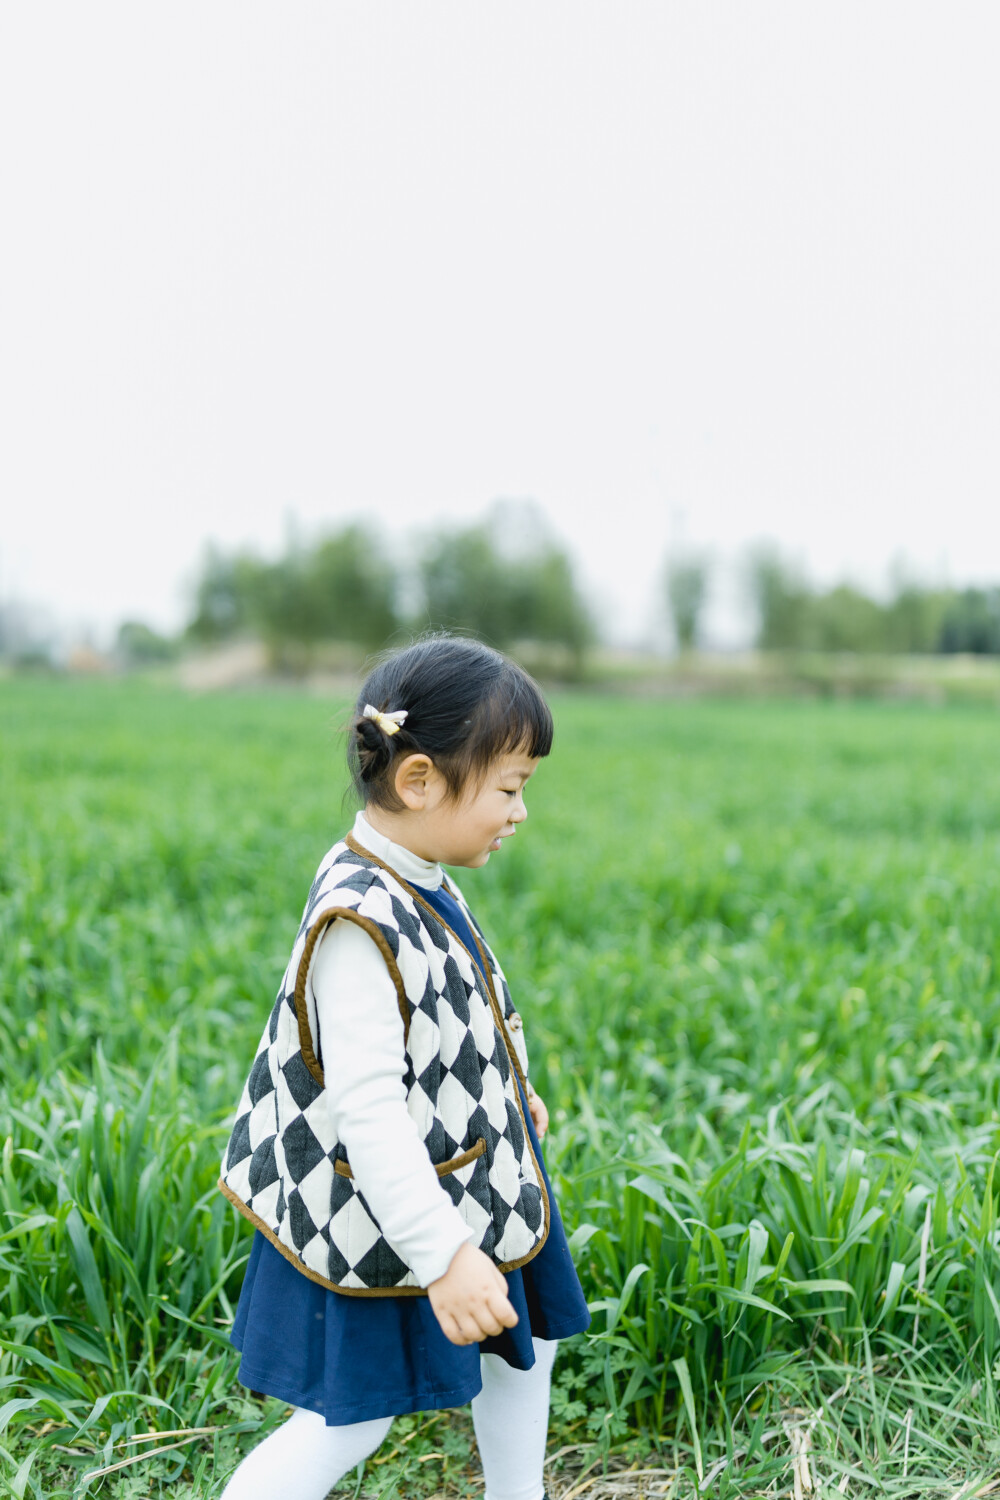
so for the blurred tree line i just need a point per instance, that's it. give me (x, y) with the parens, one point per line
(345, 588)
(792, 615)
(914, 618)
(506, 580)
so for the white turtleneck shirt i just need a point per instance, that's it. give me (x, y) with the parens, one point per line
(364, 1060)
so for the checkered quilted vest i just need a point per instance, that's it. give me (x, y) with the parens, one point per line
(284, 1167)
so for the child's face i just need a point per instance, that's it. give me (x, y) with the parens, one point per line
(469, 831)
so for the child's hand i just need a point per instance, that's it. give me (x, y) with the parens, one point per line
(539, 1113)
(470, 1299)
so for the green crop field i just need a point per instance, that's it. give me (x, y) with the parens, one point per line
(755, 946)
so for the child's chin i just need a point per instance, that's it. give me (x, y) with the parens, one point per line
(473, 862)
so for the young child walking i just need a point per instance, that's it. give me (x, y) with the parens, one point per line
(409, 1253)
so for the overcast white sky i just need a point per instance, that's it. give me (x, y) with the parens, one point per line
(715, 271)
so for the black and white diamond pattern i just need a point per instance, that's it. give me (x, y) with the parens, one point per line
(279, 1164)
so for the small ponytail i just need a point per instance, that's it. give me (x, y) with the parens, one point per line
(375, 746)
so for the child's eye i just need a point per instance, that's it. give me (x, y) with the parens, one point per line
(509, 791)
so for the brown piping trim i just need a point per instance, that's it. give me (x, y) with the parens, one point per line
(320, 925)
(498, 1013)
(353, 1291)
(357, 848)
(524, 1083)
(441, 1168)
(489, 976)
(291, 1256)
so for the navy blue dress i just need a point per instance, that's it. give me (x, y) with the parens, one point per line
(355, 1358)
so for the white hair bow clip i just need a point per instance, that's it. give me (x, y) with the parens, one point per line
(391, 723)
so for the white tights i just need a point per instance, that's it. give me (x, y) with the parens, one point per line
(304, 1458)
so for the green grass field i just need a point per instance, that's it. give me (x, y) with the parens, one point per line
(755, 945)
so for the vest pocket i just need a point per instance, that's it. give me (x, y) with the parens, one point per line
(463, 1158)
(441, 1168)
(358, 1246)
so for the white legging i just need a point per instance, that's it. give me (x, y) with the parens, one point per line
(304, 1458)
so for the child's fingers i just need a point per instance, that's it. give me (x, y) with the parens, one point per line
(474, 1327)
(499, 1279)
(452, 1331)
(498, 1306)
(483, 1322)
(539, 1115)
(490, 1322)
(479, 1314)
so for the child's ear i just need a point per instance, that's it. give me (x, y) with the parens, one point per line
(412, 778)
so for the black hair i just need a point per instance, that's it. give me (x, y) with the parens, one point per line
(466, 705)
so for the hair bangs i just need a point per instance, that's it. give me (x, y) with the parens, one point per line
(514, 717)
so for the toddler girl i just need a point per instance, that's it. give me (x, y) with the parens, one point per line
(409, 1253)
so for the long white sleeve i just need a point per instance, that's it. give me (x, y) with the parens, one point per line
(364, 1060)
